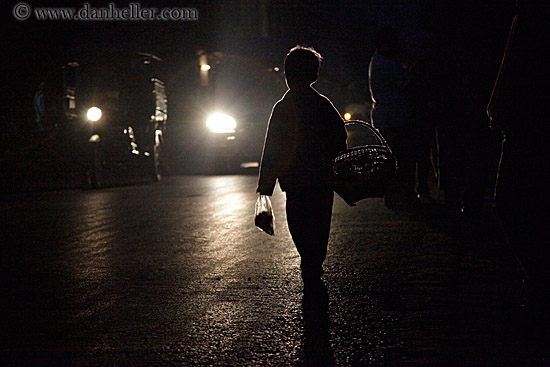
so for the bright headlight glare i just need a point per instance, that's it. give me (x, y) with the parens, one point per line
(221, 123)
(93, 114)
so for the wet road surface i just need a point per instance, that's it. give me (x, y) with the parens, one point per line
(175, 274)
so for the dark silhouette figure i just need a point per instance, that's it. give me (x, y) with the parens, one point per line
(389, 80)
(520, 106)
(305, 132)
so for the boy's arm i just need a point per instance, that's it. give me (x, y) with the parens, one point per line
(269, 166)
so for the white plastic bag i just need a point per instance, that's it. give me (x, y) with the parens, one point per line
(264, 218)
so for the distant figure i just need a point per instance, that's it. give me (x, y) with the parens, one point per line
(39, 107)
(305, 132)
(389, 79)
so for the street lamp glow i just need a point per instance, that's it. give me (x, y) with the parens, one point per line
(205, 67)
(347, 116)
(93, 114)
(221, 123)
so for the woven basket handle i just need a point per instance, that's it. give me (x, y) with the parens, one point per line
(372, 129)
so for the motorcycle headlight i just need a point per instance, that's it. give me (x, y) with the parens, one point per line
(93, 114)
(221, 123)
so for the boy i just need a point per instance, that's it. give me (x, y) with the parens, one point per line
(305, 132)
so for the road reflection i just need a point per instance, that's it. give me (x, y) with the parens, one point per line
(94, 232)
(88, 255)
(224, 224)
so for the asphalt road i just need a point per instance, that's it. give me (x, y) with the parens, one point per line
(175, 274)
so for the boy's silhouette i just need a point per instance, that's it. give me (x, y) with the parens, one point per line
(305, 132)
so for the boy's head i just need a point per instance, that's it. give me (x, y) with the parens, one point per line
(302, 66)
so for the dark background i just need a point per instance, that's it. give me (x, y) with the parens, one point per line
(342, 31)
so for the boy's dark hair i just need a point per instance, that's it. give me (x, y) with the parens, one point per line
(302, 65)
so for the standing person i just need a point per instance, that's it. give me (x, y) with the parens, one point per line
(389, 79)
(305, 132)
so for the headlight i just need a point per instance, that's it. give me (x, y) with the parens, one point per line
(93, 114)
(221, 123)
(94, 138)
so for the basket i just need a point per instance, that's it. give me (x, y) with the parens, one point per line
(363, 171)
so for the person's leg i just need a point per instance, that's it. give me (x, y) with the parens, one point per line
(309, 214)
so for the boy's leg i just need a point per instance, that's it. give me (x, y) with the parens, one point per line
(309, 214)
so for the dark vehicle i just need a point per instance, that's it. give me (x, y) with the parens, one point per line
(102, 123)
(224, 106)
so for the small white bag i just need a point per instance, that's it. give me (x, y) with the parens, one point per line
(264, 218)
